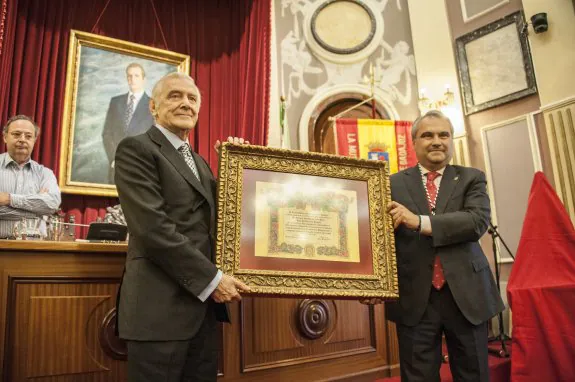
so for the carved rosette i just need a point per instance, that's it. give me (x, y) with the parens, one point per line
(314, 318)
(112, 345)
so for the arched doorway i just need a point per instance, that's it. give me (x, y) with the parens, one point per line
(321, 134)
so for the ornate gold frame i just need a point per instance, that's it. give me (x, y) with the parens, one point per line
(77, 41)
(235, 158)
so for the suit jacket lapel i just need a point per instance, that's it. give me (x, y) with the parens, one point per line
(205, 176)
(123, 104)
(415, 188)
(449, 181)
(143, 104)
(177, 160)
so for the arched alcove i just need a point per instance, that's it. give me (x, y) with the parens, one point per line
(315, 128)
(321, 134)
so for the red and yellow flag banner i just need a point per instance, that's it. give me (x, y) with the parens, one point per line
(376, 139)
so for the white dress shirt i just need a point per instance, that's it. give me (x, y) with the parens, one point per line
(24, 183)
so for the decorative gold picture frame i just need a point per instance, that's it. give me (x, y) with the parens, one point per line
(245, 170)
(96, 80)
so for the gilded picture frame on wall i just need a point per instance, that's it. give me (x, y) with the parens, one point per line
(494, 64)
(102, 75)
(294, 223)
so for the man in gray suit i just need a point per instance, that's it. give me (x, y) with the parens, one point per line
(446, 287)
(128, 114)
(172, 294)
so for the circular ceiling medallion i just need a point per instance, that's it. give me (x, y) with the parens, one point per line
(343, 26)
(343, 31)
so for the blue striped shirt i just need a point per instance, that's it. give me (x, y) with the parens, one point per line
(24, 184)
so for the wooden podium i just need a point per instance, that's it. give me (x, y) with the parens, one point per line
(58, 320)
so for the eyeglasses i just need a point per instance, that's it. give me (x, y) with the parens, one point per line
(20, 134)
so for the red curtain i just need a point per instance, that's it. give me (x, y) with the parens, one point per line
(227, 40)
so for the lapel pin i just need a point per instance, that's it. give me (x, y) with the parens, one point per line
(456, 178)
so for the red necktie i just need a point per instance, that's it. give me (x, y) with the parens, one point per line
(438, 279)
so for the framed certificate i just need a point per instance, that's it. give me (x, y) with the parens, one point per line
(294, 223)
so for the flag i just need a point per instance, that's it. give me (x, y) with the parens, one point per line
(405, 151)
(376, 139)
(285, 137)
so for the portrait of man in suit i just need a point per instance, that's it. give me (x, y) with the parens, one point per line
(104, 112)
(128, 114)
(172, 294)
(440, 211)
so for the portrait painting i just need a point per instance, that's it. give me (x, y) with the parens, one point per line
(108, 90)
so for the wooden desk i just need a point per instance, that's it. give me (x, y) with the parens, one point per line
(57, 324)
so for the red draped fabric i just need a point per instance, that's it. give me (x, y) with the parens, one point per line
(541, 290)
(227, 40)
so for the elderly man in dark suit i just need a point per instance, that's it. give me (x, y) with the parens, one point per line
(172, 294)
(446, 287)
(128, 114)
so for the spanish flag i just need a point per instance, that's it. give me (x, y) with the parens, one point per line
(376, 139)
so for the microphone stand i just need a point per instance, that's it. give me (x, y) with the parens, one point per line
(502, 337)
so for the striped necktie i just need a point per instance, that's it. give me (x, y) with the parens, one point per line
(186, 151)
(129, 110)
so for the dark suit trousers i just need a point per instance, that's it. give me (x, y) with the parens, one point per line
(420, 345)
(191, 360)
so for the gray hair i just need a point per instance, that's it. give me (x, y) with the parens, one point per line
(21, 117)
(157, 90)
(429, 114)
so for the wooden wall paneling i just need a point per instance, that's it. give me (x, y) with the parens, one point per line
(392, 347)
(274, 338)
(270, 327)
(560, 123)
(54, 326)
(50, 350)
(54, 298)
(360, 366)
(354, 322)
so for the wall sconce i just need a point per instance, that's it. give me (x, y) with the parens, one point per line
(425, 104)
(447, 106)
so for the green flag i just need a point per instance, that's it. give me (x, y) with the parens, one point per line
(285, 136)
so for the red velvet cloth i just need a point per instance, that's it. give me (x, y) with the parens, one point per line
(228, 42)
(541, 291)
